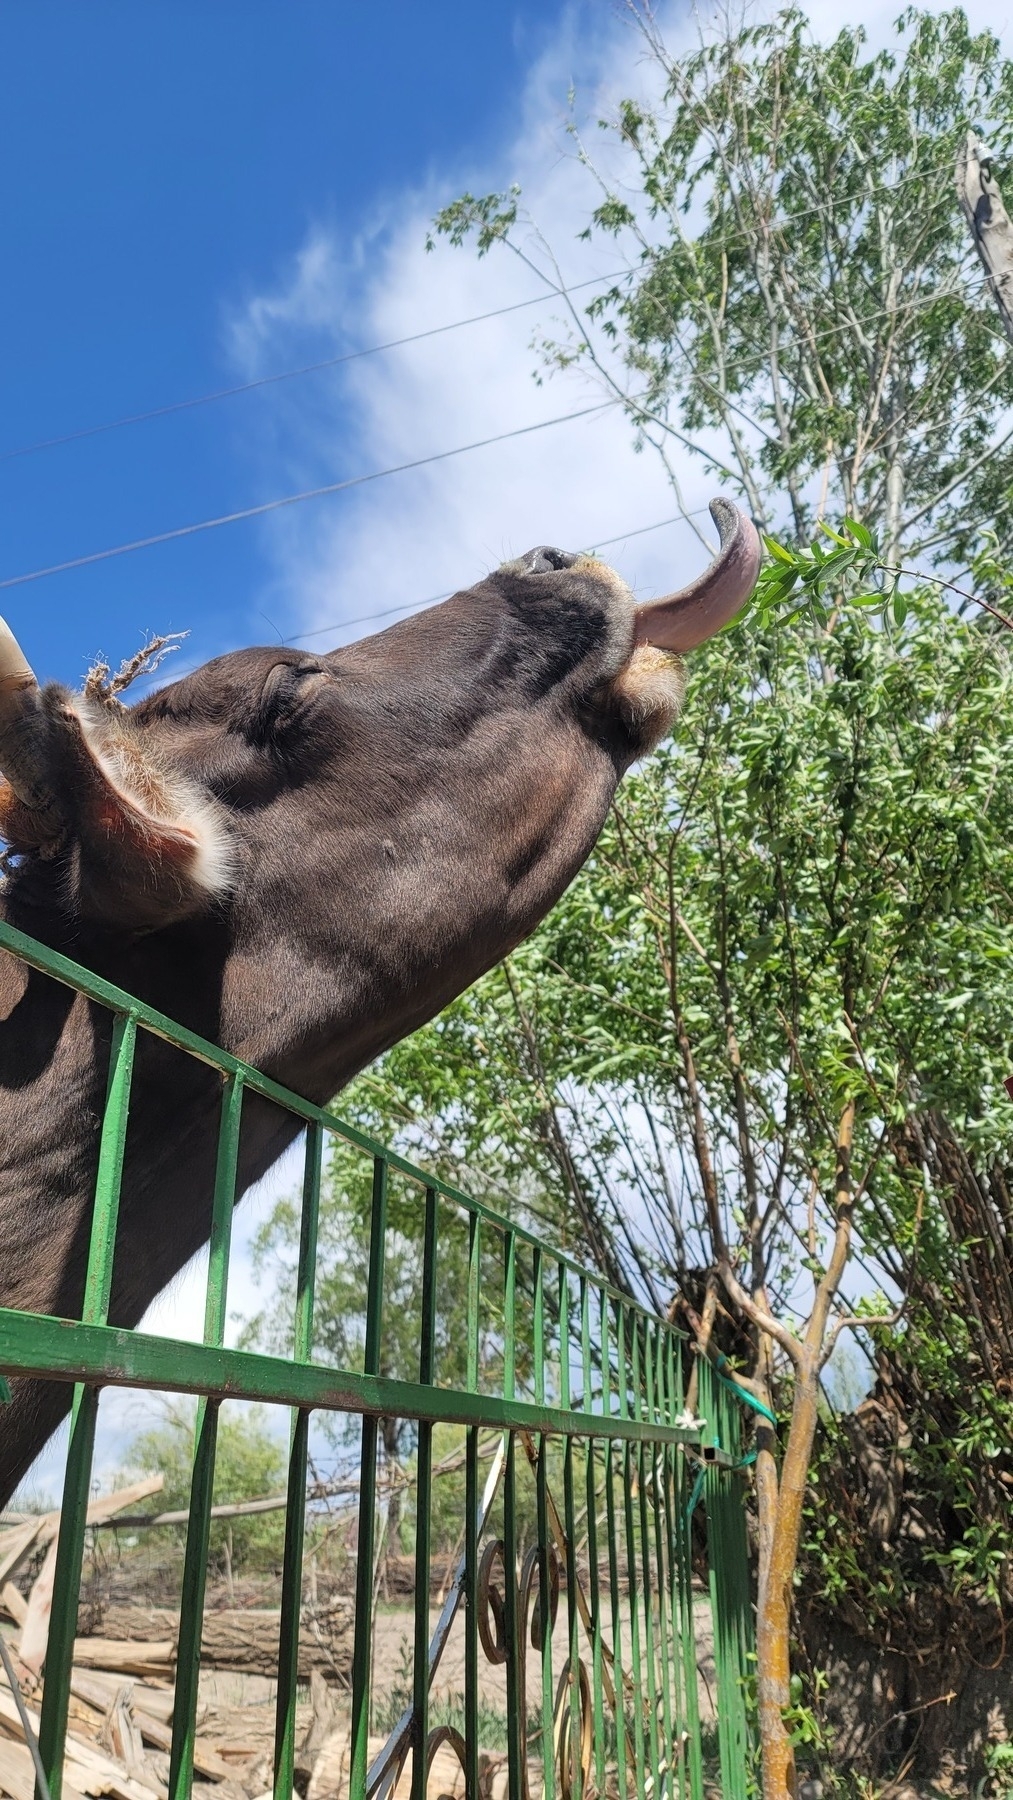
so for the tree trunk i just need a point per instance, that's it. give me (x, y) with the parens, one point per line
(773, 1659)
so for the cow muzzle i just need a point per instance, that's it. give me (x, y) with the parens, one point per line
(683, 620)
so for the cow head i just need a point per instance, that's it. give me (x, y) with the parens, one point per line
(393, 816)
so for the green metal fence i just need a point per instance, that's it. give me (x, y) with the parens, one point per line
(587, 1511)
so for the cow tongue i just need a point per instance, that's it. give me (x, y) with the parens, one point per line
(682, 621)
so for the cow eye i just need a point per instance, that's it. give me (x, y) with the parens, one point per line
(287, 689)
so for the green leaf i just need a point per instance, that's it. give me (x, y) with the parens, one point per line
(861, 532)
(778, 551)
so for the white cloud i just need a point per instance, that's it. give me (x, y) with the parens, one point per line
(422, 533)
(419, 534)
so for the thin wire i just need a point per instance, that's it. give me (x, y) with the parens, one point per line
(329, 362)
(317, 493)
(434, 599)
(336, 487)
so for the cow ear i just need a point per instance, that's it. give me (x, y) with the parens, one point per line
(141, 846)
(148, 846)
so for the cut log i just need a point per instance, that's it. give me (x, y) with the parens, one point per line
(243, 1640)
(125, 1656)
(320, 1727)
(98, 1689)
(330, 1778)
(17, 1544)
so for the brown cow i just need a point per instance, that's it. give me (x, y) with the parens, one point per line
(303, 858)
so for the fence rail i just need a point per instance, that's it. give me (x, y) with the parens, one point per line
(586, 1388)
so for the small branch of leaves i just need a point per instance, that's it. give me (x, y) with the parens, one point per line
(849, 571)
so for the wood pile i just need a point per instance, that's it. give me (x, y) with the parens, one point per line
(121, 1688)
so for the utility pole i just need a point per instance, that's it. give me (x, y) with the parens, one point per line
(990, 223)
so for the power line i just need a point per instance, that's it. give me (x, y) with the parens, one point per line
(328, 362)
(434, 599)
(332, 362)
(317, 493)
(267, 506)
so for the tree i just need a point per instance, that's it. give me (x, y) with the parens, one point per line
(803, 308)
(249, 1465)
(802, 312)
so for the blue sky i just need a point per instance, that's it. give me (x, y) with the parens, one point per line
(197, 195)
(161, 166)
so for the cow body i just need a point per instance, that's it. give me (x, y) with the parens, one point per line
(301, 859)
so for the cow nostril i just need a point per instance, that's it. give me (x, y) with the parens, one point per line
(546, 557)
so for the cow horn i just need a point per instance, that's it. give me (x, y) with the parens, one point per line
(682, 621)
(20, 721)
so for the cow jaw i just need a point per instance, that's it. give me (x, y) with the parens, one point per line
(648, 694)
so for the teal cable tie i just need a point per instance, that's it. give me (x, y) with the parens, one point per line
(694, 1498)
(742, 1393)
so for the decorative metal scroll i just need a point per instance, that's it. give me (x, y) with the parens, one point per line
(572, 1725)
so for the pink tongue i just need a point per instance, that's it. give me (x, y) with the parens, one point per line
(682, 621)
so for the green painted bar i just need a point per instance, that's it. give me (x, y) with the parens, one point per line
(77, 1474)
(538, 1278)
(471, 1615)
(684, 1549)
(597, 1643)
(636, 1373)
(573, 1637)
(659, 1501)
(509, 1314)
(295, 1517)
(564, 1338)
(633, 1580)
(606, 1354)
(471, 1503)
(681, 1535)
(291, 1604)
(545, 1620)
(362, 1648)
(617, 1622)
(678, 1602)
(622, 1371)
(62, 1350)
(191, 1609)
(585, 1345)
(222, 1210)
(105, 1215)
(309, 1226)
(424, 1507)
(474, 1297)
(198, 1534)
(681, 1786)
(642, 1536)
(516, 1707)
(67, 1587)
